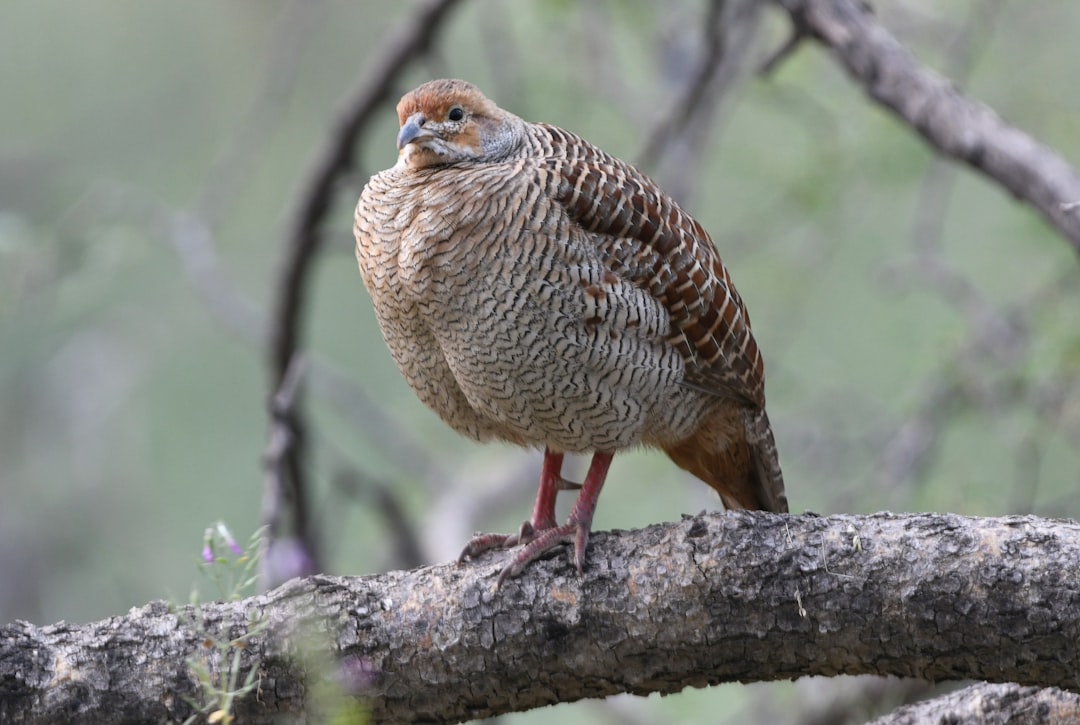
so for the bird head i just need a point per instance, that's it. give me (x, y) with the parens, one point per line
(450, 121)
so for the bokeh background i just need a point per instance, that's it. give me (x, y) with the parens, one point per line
(921, 328)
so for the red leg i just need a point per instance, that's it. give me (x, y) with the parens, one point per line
(577, 526)
(551, 482)
(543, 515)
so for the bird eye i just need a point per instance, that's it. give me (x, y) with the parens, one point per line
(456, 113)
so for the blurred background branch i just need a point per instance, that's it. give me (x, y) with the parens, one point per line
(956, 126)
(302, 241)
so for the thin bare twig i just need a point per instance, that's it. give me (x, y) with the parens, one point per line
(800, 31)
(334, 160)
(285, 557)
(314, 199)
(695, 96)
(674, 150)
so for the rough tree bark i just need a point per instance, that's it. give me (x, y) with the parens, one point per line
(986, 703)
(714, 598)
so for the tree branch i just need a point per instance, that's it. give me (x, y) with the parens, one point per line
(954, 124)
(715, 598)
(983, 703)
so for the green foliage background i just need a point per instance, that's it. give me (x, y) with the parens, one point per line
(132, 415)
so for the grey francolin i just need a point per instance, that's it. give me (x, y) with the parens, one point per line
(535, 290)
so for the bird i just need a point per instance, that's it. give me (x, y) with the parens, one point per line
(535, 290)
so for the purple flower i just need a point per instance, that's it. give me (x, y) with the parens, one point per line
(227, 537)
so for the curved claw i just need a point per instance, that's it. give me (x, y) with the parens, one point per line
(486, 542)
(548, 539)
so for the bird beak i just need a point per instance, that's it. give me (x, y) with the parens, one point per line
(413, 130)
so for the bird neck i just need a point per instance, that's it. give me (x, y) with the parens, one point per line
(503, 137)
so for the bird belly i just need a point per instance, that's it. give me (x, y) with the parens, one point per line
(559, 353)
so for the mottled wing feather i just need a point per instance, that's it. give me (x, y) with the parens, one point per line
(645, 236)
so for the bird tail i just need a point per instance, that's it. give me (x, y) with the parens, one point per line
(733, 451)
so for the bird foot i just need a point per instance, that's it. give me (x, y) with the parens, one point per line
(486, 542)
(540, 534)
(534, 544)
(543, 542)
